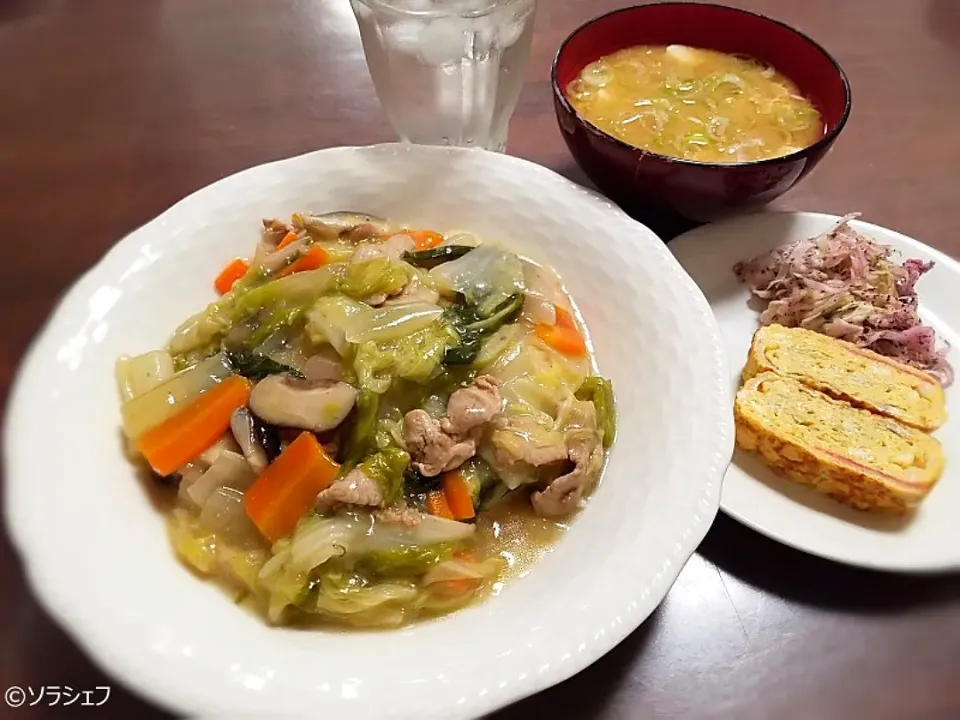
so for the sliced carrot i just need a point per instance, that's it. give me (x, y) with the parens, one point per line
(459, 498)
(230, 274)
(437, 504)
(424, 239)
(286, 240)
(288, 487)
(564, 335)
(183, 436)
(315, 257)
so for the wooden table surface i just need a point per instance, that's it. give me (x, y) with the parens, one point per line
(111, 110)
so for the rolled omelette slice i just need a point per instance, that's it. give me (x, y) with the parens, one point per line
(865, 460)
(847, 372)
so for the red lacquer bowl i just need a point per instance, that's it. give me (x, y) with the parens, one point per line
(646, 183)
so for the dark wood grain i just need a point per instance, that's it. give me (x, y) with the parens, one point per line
(111, 110)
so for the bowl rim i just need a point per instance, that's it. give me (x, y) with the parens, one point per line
(88, 625)
(821, 144)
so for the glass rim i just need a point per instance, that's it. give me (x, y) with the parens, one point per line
(397, 7)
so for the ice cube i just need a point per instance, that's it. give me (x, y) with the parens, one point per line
(403, 36)
(509, 33)
(443, 41)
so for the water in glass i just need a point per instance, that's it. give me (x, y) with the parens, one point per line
(447, 72)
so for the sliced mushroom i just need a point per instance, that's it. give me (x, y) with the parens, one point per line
(324, 365)
(290, 402)
(268, 436)
(244, 431)
(343, 224)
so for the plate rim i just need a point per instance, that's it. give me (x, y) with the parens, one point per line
(125, 663)
(941, 259)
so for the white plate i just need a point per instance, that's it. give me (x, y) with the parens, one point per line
(96, 552)
(793, 514)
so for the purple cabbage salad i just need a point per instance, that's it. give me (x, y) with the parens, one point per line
(847, 286)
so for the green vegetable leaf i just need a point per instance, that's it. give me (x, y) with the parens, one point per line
(361, 437)
(374, 276)
(494, 494)
(300, 290)
(328, 319)
(467, 349)
(283, 317)
(471, 327)
(415, 357)
(485, 277)
(479, 477)
(256, 367)
(505, 312)
(435, 256)
(407, 560)
(415, 483)
(599, 391)
(387, 468)
(391, 322)
(282, 303)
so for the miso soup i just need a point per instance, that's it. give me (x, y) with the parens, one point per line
(695, 104)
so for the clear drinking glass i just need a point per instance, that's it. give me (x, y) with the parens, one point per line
(447, 72)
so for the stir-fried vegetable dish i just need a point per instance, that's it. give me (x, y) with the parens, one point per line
(371, 423)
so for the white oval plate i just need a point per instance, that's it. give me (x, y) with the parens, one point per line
(793, 514)
(95, 549)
